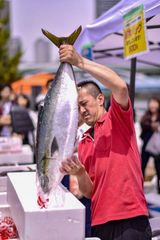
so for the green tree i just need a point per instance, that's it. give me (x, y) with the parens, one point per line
(8, 64)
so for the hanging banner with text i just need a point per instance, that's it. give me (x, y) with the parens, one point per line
(135, 40)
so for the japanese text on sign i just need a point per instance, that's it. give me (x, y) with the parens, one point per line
(135, 42)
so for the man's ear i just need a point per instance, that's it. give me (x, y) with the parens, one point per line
(101, 99)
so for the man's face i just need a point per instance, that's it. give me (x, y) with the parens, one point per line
(90, 108)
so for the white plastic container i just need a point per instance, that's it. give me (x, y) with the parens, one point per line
(33, 223)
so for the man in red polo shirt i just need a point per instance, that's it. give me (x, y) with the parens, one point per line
(109, 167)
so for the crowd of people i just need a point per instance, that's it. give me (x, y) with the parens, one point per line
(8, 101)
(108, 167)
(150, 124)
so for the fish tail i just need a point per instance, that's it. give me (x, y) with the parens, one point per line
(58, 41)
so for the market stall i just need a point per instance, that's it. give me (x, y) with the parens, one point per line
(105, 37)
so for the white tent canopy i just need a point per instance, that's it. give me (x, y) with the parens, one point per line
(112, 21)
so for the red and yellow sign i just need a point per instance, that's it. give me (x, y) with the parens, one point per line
(135, 41)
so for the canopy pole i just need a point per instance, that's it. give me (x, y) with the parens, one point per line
(132, 80)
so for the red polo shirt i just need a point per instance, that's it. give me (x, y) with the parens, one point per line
(113, 163)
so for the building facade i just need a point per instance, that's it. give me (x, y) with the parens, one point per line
(104, 5)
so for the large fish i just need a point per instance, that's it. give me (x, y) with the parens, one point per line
(57, 125)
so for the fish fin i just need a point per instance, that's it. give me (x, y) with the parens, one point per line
(54, 146)
(72, 38)
(40, 107)
(58, 41)
(44, 164)
(40, 113)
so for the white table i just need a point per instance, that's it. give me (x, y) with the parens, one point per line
(12, 158)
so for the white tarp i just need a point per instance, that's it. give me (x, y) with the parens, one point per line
(112, 21)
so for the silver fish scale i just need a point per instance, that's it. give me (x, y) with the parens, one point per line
(58, 120)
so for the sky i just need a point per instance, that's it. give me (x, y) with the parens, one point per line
(59, 17)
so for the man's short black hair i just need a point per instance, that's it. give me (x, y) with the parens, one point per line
(91, 86)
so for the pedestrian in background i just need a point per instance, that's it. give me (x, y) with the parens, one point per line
(24, 102)
(6, 104)
(150, 123)
(41, 96)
